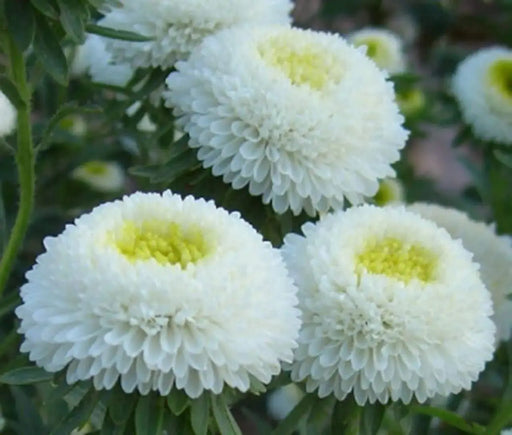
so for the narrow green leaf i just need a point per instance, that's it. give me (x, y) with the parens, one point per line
(346, 417)
(199, 414)
(78, 416)
(25, 375)
(11, 91)
(149, 415)
(46, 7)
(73, 16)
(3, 223)
(28, 416)
(223, 417)
(121, 406)
(294, 418)
(20, 22)
(124, 35)
(49, 52)
(371, 418)
(503, 157)
(449, 418)
(177, 401)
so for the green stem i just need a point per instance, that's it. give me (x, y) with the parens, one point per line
(25, 158)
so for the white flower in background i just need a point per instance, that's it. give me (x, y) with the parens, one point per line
(506, 432)
(160, 291)
(7, 116)
(177, 27)
(392, 306)
(301, 117)
(92, 58)
(100, 175)
(411, 102)
(382, 46)
(494, 254)
(282, 400)
(482, 86)
(391, 191)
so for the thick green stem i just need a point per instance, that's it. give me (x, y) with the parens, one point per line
(25, 158)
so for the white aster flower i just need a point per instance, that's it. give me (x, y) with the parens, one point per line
(282, 401)
(100, 175)
(160, 291)
(482, 85)
(7, 116)
(392, 307)
(493, 253)
(411, 102)
(93, 58)
(391, 191)
(302, 117)
(383, 46)
(177, 27)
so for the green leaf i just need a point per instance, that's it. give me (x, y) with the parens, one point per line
(149, 415)
(199, 414)
(500, 180)
(121, 406)
(73, 16)
(449, 418)
(294, 418)
(28, 417)
(371, 418)
(124, 35)
(346, 417)
(177, 401)
(20, 22)
(49, 52)
(46, 7)
(11, 92)
(78, 416)
(3, 223)
(25, 375)
(503, 157)
(223, 417)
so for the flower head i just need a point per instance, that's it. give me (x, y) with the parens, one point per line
(482, 85)
(391, 191)
(160, 291)
(7, 116)
(301, 117)
(177, 27)
(101, 176)
(382, 46)
(493, 253)
(392, 307)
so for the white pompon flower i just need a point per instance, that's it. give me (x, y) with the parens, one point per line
(301, 117)
(482, 84)
(177, 27)
(493, 253)
(160, 292)
(7, 116)
(392, 306)
(100, 175)
(382, 46)
(93, 58)
(391, 191)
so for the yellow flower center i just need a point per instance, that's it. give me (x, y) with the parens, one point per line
(164, 241)
(396, 259)
(302, 62)
(500, 76)
(95, 168)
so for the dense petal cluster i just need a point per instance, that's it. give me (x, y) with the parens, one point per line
(383, 46)
(177, 27)
(7, 116)
(303, 118)
(493, 253)
(393, 307)
(100, 175)
(160, 291)
(482, 86)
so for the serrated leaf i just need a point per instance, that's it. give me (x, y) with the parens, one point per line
(49, 52)
(25, 376)
(199, 414)
(121, 406)
(124, 35)
(20, 22)
(149, 415)
(46, 7)
(177, 401)
(28, 417)
(73, 17)
(78, 416)
(223, 417)
(11, 92)
(295, 417)
(449, 418)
